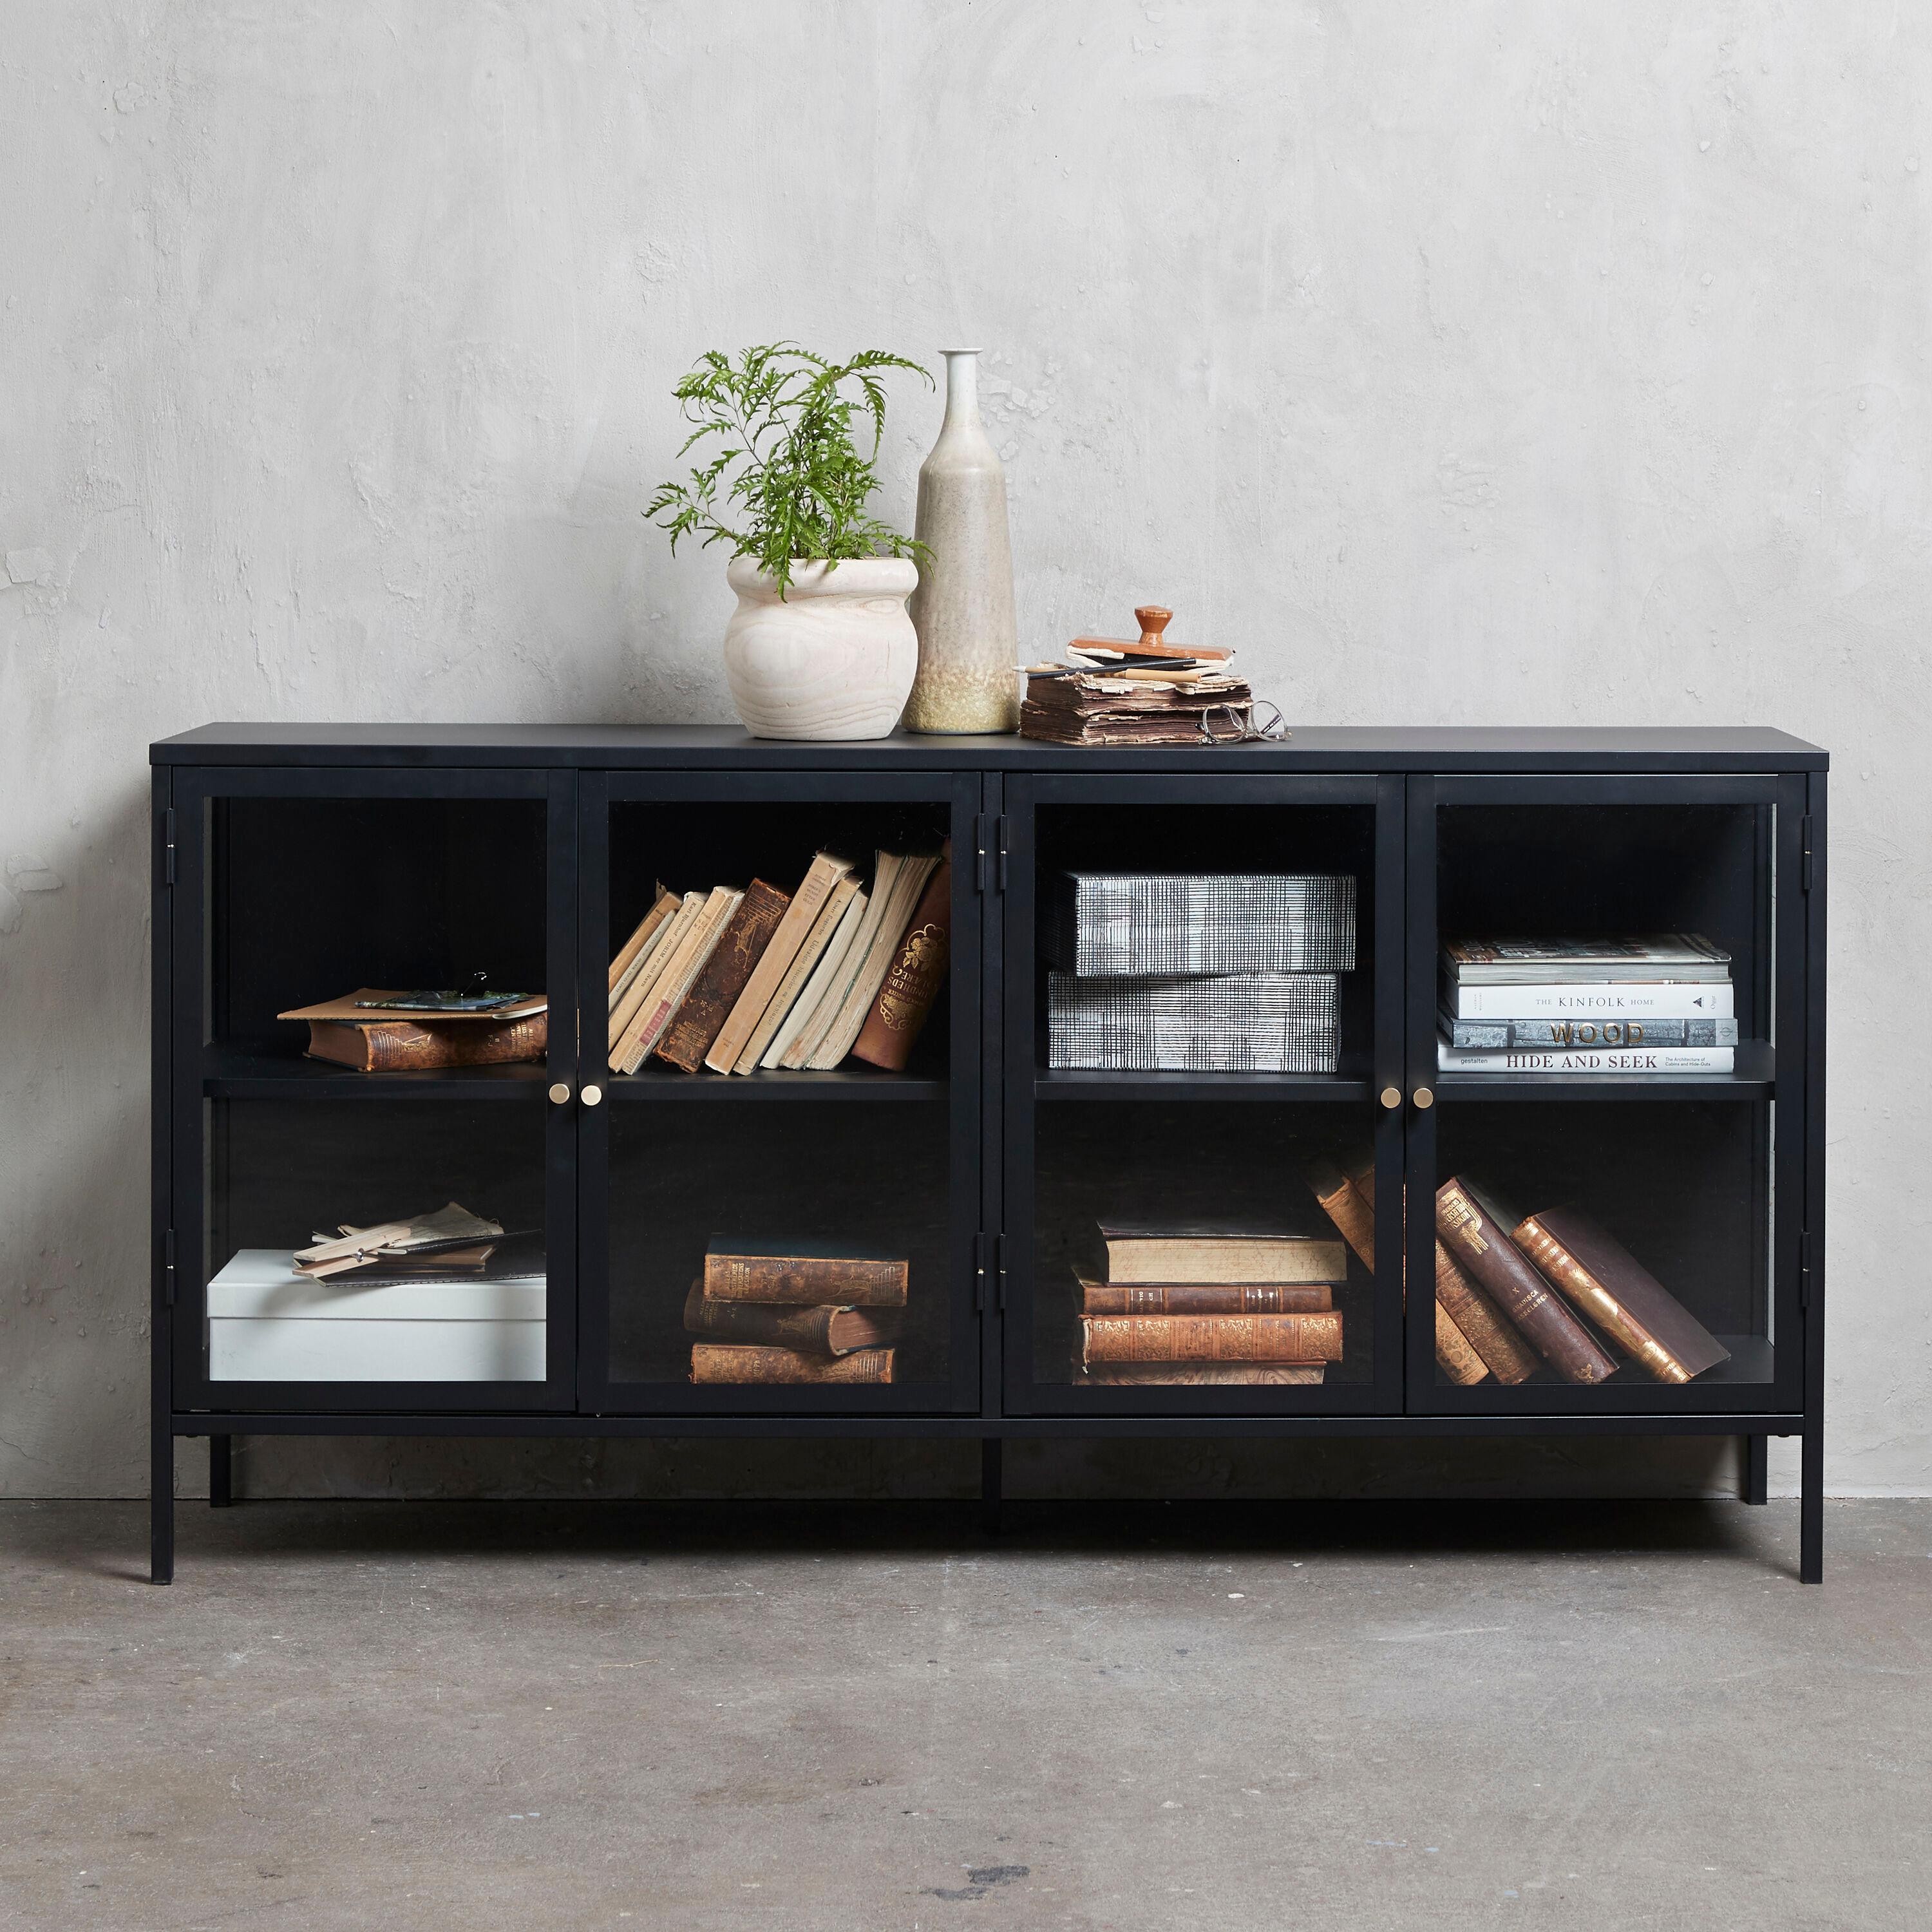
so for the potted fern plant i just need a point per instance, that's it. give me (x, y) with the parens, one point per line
(820, 646)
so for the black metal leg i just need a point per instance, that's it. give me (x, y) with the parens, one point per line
(1811, 1506)
(161, 1507)
(1757, 1468)
(221, 1472)
(991, 1450)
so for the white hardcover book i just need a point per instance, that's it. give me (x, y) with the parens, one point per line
(1623, 1060)
(1651, 1000)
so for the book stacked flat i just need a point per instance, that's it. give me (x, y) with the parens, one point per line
(1144, 690)
(1210, 1304)
(376, 1030)
(800, 1312)
(1660, 1004)
(1517, 1295)
(736, 981)
(1203, 973)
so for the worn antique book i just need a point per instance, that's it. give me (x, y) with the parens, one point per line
(1200, 1374)
(1219, 1252)
(913, 979)
(631, 955)
(705, 1008)
(1525, 962)
(1602, 1280)
(837, 989)
(1476, 1233)
(1648, 999)
(450, 1228)
(1612, 1060)
(1212, 1023)
(775, 963)
(803, 1272)
(722, 1362)
(1508, 1358)
(785, 1012)
(1211, 1338)
(1109, 1297)
(663, 947)
(369, 1006)
(1092, 708)
(401, 1046)
(841, 1033)
(661, 1004)
(823, 1329)
(844, 913)
(1350, 1203)
(1585, 1034)
(1194, 922)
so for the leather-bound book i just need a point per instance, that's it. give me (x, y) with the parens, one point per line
(825, 1329)
(1510, 1359)
(702, 1015)
(802, 1273)
(1476, 1232)
(913, 979)
(719, 1362)
(1211, 1338)
(404, 1046)
(1351, 1205)
(1201, 1375)
(1115, 1297)
(1602, 1280)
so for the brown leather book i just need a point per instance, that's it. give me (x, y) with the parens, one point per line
(718, 1362)
(1509, 1358)
(803, 1273)
(1603, 1280)
(701, 1016)
(1211, 1338)
(822, 1330)
(1201, 1375)
(913, 979)
(1475, 1231)
(1351, 1205)
(1115, 1297)
(402, 1046)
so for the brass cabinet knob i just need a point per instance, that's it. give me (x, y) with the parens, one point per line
(1391, 1097)
(1422, 1097)
(559, 1091)
(591, 1095)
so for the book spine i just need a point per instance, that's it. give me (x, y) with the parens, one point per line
(774, 966)
(1500, 1268)
(802, 1279)
(1109, 1297)
(402, 1046)
(715, 991)
(1658, 1000)
(806, 1330)
(1212, 1338)
(1591, 1298)
(1588, 1035)
(1455, 1357)
(1202, 1374)
(1507, 1356)
(913, 980)
(719, 1362)
(1657, 1060)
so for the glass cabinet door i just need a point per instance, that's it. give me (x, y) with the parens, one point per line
(1203, 1176)
(421, 1150)
(780, 1192)
(1605, 1042)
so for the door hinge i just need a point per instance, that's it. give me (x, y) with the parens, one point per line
(979, 1273)
(1000, 1272)
(983, 839)
(1805, 1270)
(1003, 851)
(168, 845)
(168, 1269)
(1804, 853)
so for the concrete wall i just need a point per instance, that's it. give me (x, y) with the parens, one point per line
(1499, 363)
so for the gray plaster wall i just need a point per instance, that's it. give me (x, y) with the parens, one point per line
(1488, 363)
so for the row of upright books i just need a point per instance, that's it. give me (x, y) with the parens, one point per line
(1662, 1004)
(799, 1313)
(1515, 1293)
(1201, 972)
(734, 981)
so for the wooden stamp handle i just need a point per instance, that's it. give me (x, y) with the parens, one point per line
(1152, 620)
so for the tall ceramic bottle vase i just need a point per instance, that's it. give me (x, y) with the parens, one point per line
(968, 677)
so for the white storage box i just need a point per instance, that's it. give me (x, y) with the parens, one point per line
(267, 1323)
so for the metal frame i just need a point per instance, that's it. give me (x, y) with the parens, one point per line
(992, 785)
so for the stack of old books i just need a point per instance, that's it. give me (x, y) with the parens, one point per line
(1659, 1004)
(1204, 972)
(1246, 1302)
(736, 981)
(1144, 690)
(799, 1312)
(1551, 1293)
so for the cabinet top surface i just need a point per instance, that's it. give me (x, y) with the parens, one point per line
(1309, 748)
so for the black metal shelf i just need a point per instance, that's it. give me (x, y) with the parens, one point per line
(1754, 1079)
(858, 1082)
(1283, 1089)
(265, 1072)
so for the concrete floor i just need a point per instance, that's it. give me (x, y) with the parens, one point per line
(1387, 1717)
